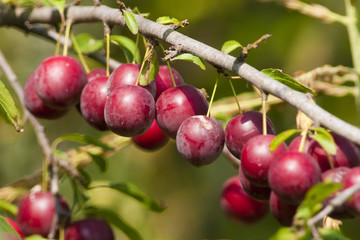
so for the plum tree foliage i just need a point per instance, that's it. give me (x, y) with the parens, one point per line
(144, 101)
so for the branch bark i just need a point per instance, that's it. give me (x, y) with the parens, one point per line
(148, 28)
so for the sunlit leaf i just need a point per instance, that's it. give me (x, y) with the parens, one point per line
(9, 207)
(168, 20)
(285, 233)
(287, 80)
(314, 198)
(134, 192)
(331, 234)
(190, 58)
(59, 4)
(114, 219)
(8, 109)
(325, 139)
(81, 138)
(282, 137)
(128, 46)
(230, 46)
(35, 237)
(88, 43)
(131, 22)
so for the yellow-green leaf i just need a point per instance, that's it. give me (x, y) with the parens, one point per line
(287, 80)
(131, 22)
(128, 46)
(190, 58)
(168, 20)
(88, 43)
(230, 46)
(8, 109)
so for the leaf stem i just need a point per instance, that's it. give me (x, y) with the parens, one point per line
(81, 56)
(213, 95)
(67, 35)
(234, 93)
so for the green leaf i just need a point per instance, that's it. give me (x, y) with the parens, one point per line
(325, 140)
(285, 233)
(88, 43)
(99, 161)
(230, 46)
(190, 58)
(114, 219)
(6, 230)
(128, 46)
(282, 137)
(287, 80)
(331, 234)
(59, 4)
(168, 20)
(9, 207)
(131, 22)
(134, 192)
(151, 71)
(85, 175)
(81, 138)
(8, 109)
(35, 237)
(314, 198)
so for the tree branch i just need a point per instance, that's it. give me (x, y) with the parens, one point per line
(86, 14)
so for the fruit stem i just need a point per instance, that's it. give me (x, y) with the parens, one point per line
(213, 95)
(62, 232)
(107, 34)
(264, 99)
(81, 56)
(303, 139)
(234, 93)
(142, 66)
(168, 64)
(58, 42)
(67, 34)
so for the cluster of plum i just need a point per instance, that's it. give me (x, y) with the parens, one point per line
(279, 180)
(149, 113)
(38, 210)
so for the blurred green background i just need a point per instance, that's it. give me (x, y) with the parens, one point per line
(298, 43)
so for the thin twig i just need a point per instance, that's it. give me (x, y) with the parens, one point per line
(338, 201)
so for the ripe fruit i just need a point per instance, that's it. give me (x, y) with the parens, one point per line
(177, 104)
(351, 178)
(292, 175)
(238, 205)
(243, 127)
(92, 103)
(127, 74)
(282, 211)
(164, 81)
(35, 105)
(256, 158)
(15, 226)
(129, 110)
(89, 229)
(347, 154)
(37, 210)
(95, 73)
(256, 192)
(336, 175)
(200, 140)
(295, 144)
(59, 81)
(152, 139)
